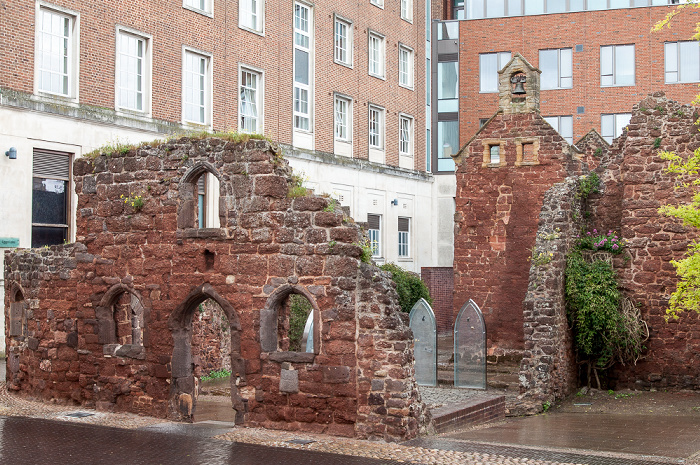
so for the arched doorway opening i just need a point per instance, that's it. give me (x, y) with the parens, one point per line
(192, 329)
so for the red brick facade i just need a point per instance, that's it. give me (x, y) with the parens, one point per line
(173, 27)
(528, 35)
(440, 282)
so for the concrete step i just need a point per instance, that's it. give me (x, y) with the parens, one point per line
(482, 409)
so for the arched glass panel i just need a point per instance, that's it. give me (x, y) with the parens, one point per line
(470, 348)
(423, 325)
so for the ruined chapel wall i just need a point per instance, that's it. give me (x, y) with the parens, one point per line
(267, 246)
(496, 221)
(640, 184)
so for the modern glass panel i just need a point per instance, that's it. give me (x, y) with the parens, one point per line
(301, 66)
(556, 6)
(671, 61)
(423, 324)
(515, 7)
(576, 5)
(566, 128)
(44, 235)
(606, 66)
(619, 4)
(474, 9)
(549, 65)
(495, 8)
(448, 30)
(447, 144)
(488, 72)
(470, 348)
(597, 4)
(448, 87)
(534, 7)
(566, 79)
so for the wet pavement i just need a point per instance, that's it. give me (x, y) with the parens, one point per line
(677, 436)
(30, 441)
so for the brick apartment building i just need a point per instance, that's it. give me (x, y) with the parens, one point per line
(340, 86)
(598, 58)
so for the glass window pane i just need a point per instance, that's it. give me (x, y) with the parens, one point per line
(640, 2)
(49, 201)
(549, 67)
(488, 72)
(475, 9)
(624, 65)
(619, 3)
(690, 71)
(566, 128)
(621, 121)
(495, 8)
(553, 121)
(43, 235)
(597, 4)
(448, 83)
(556, 6)
(515, 7)
(448, 30)
(448, 138)
(565, 63)
(301, 66)
(534, 7)
(575, 5)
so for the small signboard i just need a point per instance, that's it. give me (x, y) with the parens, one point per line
(9, 242)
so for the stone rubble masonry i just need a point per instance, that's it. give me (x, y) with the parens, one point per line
(635, 186)
(548, 370)
(268, 246)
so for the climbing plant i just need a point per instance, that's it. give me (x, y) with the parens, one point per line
(607, 329)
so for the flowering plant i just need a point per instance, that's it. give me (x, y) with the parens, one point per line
(595, 240)
(136, 202)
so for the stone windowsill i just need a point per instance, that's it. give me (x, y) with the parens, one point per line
(136, 351)
(293, 357)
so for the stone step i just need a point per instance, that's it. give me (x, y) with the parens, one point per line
(482, 409)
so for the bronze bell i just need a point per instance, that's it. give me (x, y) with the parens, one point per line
(519, 81)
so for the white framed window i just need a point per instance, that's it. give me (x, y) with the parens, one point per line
(557, 69)
(343, 42)
(133, 71)
(200, 6)
(407, 10)
(302, 67)
(250, 100)
(374, 233)
(612, 125)
(405, 136)
(617, 65)
(376, 127)
(405, 66)
(376, 51)
(682, 61)
(251, 15)
(489, 65)
(404, 237)
(564, 125)
(56, 57)
(343, 119)
(196, 87)
(379, 3)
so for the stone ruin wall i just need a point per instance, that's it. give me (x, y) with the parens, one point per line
(496, 220)
(359, 382)
(636, 185)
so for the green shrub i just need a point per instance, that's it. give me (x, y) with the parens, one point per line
(408, 285)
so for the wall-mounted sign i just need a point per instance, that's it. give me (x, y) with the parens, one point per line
(9, 242)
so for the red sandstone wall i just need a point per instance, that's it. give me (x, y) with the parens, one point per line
(358, 382)
(636, 185)
(496, 223)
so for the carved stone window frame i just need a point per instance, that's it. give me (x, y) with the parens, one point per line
(519, 142)
(486, 161)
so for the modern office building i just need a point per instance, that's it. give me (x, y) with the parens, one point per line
(340, 86)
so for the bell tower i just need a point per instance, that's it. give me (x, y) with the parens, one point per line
(519, 87)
